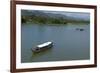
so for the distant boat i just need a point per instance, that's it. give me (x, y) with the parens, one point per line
(81, 29)
(42, 47)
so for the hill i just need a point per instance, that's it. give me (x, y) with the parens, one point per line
(52, 17)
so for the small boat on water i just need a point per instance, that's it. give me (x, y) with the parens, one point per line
(42, 47)
(81, 29)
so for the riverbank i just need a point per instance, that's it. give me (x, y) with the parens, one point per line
(50, 21)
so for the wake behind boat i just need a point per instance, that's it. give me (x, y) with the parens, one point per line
(43, 47)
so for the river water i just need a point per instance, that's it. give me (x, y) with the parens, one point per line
(69, 43)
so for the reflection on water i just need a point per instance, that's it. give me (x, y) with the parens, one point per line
(69, 43)
(36, 54)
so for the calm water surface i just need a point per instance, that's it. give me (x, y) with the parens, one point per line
(69, 43)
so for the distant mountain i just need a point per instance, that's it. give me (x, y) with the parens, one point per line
(51, 15)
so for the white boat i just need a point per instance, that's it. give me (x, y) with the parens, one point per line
(43, 47)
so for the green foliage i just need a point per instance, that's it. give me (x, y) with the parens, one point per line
(23, 19)
(47, 20)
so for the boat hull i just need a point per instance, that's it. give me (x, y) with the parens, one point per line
(38, 49)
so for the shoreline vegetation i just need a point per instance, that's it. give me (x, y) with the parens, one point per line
(51, 21)
(39, 17)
